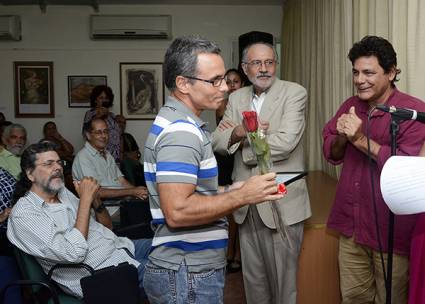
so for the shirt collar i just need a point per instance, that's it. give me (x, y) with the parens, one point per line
(392, 100)
(7, 153)
(173, 102)
(37, 200)
(92, 150)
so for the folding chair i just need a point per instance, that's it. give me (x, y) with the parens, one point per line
(115, 284)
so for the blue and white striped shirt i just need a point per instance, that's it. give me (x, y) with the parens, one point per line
(178, 150)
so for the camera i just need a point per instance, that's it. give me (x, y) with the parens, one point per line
(106, 104)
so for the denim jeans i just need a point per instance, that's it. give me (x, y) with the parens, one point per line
(166, 286)
(141, 253)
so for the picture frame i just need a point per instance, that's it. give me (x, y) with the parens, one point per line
(34, 89)
(142, 90)
(80, 87)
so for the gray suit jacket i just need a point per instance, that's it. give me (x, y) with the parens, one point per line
(284, 109)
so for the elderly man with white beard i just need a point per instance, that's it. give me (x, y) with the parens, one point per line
(50, 223)
(269, 263)
(14, 138)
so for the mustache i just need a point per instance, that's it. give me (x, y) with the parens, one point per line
(15, 149)
(55, 175)
(263, 75)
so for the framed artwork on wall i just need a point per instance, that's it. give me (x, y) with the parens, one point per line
(34, 89)
(142, 90)
(79, 89)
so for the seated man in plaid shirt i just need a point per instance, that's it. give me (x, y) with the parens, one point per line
(7, 186)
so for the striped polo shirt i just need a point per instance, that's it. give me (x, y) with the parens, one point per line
(178, 150)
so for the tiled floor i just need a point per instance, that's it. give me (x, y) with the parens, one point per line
(233, 289)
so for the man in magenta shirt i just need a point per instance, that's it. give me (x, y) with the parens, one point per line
(374, 72)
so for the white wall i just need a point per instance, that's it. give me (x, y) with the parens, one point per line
(61, 35)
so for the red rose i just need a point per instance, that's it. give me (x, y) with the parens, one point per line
(250, 121)
(281, 189)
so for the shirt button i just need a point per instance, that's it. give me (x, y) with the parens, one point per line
(357, 184)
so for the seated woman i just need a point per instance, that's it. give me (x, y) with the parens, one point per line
(130, 161)
(63, 147)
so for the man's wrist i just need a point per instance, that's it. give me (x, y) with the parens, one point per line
(100, 208)
(235, 136)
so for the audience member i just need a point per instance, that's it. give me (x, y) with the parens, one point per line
(53, 225)
(188, 257)
(14, 138)
(225, 168)
(269, 261)
(234, 82)
(354, 213)
(3, 125)
(7, 186)
(130, 161)
(93, 160)
(101, 100)
(63, 147)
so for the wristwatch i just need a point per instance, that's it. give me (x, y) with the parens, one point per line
(99, 208)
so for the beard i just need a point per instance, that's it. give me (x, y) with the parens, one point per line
(52, 186)
(262, 83)
(15, 149)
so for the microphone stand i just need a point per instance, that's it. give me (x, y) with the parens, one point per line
(394, 128)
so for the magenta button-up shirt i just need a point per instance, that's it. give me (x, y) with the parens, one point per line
(352, 212)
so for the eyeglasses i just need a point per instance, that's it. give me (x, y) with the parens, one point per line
(258, 63)
(51, 163)
(215, 82)
(100, 132)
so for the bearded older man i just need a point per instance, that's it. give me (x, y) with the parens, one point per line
(269, 263)
(50, 223)
(14, 138)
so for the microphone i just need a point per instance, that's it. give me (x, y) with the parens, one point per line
(404, 114)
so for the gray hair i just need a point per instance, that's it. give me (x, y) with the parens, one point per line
(9, 128)
(246, 49)
(181, 58)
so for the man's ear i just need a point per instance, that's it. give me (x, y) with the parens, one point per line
(392, 73)
(28, 172)
(244, 67)
(87, 135)
(182, 84)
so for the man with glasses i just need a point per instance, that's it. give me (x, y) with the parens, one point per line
(51, 224)
(188, 208)
(97, 162)
(269, 262)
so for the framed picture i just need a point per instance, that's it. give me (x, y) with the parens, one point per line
(79, 89)
(142, 90)
(34, 89)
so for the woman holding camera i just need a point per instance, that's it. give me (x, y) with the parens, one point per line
(101, 100)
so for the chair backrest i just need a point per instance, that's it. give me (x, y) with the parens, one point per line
(30, 269)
